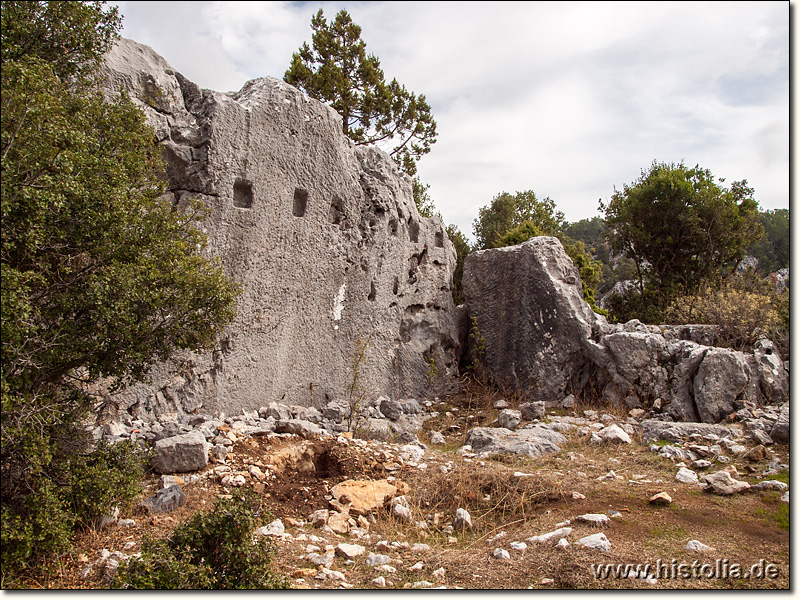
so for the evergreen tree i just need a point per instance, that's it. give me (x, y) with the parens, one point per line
(337, 69)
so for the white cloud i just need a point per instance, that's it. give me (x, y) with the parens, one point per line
(567, 99)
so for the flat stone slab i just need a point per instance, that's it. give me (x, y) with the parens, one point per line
(364, 496)
(534, 442)
(654, 430)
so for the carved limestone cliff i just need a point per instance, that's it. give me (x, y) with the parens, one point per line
(323, 235)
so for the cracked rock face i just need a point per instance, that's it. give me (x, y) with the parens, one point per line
(323, 235)
(545, 343)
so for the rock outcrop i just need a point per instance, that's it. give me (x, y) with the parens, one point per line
(544, 343)
(323, 235)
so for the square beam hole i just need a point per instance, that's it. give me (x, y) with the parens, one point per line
(300, 202)
(243, 194)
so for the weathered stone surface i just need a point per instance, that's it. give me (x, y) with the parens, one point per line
(463, 520)
(614, 434)
(164, 500)
(535, 441)
(597, 541)
(780, 431)
(685, 475)
(364, 496)
(323, 235)
(661, 499)
(544, 342)
(724, 484)
(529, 308)
(654, 430)
(532, 410)
(697, 546)
(560, 533)
(181, 453)
(509, 418)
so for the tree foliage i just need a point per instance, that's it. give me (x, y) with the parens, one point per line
(462, 251)
(337, 69)
(507, 212)
(681, 227)
(772, 250)
(100, 275)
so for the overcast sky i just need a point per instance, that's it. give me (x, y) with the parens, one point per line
(567, 99)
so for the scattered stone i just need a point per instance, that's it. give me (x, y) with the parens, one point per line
(756, 454)
(379, 581)
(323, 560)
(462, 520)
(785, 497)
(350, 550)
(780, 431)
(318, 518)
(701, 464)
(761, 437)
(614, 434)
(594, 519)
(501, 554)
(685, 475)
(509, 419)
(376, 560)
(402, 513)
(364, 496)
(233, 480)
(770, 484)
(275, 528)
(578, 496)
(518, 545)
(339, 523)
(532, 410)
(597, 541)
(436, 438)
(661, 499)
(534, 441)
(420, 548)
(181, 453)
(562, 544)
(438, 573)
(421, 585)
(696, 546)
(561, 532)
(164, 500)
(126, 523)
(723, 484)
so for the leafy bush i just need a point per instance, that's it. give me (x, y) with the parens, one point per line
(212, 550)
(53, 481)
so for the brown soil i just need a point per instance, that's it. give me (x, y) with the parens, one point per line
(743, 529)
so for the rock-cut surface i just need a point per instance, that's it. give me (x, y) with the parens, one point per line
(323, 235)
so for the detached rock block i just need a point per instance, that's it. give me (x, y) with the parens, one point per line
(181, 453)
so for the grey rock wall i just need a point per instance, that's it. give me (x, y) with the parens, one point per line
(323, 235)
(544, 343)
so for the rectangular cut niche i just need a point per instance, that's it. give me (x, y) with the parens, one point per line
(243, 194)
(439, 239)
(300, 202)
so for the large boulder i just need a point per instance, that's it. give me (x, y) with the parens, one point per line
(323, 235)
(541, 340)
(528, 306)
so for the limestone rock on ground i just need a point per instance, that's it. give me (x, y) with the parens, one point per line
(164, 500)
(181, 453)
(724, 484)
(534, 442)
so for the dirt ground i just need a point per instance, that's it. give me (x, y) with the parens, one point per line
(745, 529)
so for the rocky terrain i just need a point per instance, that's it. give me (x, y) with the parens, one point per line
(337, 396)
(496, 496)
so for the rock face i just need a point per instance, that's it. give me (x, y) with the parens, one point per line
(530, 312)
(324, 237)
(544, 342)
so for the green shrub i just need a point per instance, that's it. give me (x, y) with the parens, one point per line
(53, 480)
(212, 550)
